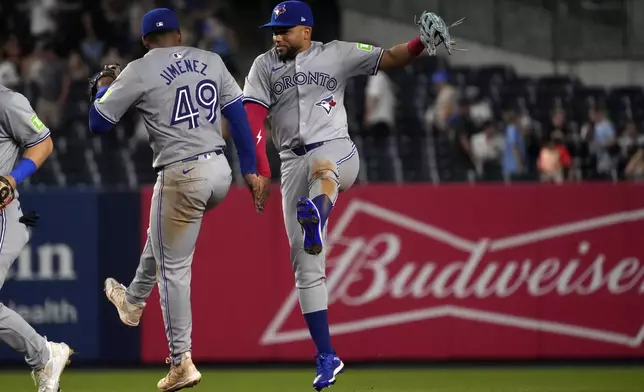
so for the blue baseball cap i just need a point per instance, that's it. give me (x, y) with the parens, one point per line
(291, 13)
(159, 19)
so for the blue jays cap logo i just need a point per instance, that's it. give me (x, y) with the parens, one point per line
(279, 10)
(327, 104)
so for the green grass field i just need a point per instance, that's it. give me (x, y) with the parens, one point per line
(590, 379)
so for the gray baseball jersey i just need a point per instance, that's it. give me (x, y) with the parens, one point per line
(305, 97)
(179, 92)
(20, 127)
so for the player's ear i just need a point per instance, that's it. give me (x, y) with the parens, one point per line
(179, 36)
(144, 41)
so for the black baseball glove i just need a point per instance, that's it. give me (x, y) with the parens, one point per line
(111, 70)
(434, 31)
(29, 219)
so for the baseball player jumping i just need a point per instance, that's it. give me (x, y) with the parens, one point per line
(20, 128)
(181, 93)
(300, 85)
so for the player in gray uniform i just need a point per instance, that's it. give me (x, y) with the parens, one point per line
(299, 85)
(181, 93)
(21, 129)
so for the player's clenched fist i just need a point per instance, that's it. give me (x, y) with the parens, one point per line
(7, 190)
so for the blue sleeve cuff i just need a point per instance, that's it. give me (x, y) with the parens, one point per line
(97, 122)
(242, 136)
(25, 168)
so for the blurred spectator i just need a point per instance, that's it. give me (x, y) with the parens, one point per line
(444, 107)
(460, 130)
(487, 149)
(43, 18)
(480, 109)
(380, 103)
(599, 132)
(554, 160)
(629, 140)
(91, 47)
(113, 56)
(53, 83)
(635, 167)
(217, 37)
(533, 140)
(514, 155)
(9, 76)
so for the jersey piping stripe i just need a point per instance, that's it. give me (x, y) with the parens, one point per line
(3, 215)
(42, 139)
(163, 271)
(352, 153)
(102, 115)
(375, 70)
(249, 99)
(233, 101)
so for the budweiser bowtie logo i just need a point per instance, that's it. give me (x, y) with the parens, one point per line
(390, 269)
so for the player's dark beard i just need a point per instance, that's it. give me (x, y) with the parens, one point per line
(291, 52)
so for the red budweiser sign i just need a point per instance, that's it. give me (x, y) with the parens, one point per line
(424, 272)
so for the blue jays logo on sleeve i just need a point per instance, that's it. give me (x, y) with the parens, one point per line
(327, 104)
(279, 10)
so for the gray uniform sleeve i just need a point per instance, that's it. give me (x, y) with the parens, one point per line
(22, 123)
(229, 90)
(358, 58)
(125, 91)
(256, 88)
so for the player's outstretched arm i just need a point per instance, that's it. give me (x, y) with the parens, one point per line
(433, 32)
(242, 137)
(112, 93)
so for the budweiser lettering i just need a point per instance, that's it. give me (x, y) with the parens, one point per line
(369, 264)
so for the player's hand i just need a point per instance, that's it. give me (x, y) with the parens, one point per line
(252, 181)
(7, 190)
(262, 193)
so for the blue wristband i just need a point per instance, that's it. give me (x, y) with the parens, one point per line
(25, 168)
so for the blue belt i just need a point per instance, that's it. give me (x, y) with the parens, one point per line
(190, 159)
(301, 150)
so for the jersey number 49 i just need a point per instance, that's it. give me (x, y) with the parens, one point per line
(184, 109)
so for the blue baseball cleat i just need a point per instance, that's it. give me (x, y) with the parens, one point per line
(309, 217)
(328, 367)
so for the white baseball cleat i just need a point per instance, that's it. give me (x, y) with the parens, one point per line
(183, 375)
(130, 314)
(47, 379)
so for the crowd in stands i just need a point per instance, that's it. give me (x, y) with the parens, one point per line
(426, 123)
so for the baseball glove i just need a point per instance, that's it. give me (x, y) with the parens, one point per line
(7, 192)
(434, 31)
(111, 70)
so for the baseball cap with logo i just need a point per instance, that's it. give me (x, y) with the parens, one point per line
(291, 13)
(159, 19)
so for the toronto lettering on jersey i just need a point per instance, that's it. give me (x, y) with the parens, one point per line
(172, 71)
(301, 78)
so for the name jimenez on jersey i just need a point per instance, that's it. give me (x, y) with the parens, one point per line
(172, 71)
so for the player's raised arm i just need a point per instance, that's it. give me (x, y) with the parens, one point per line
(433, 32)
(115, 92)
(27, 129)
(257, 100)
